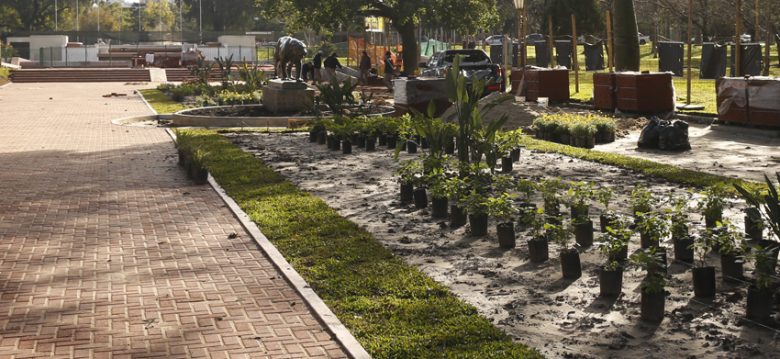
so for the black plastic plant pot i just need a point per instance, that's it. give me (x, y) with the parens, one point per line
(420, 198)
(479, 224)
(647, 242)
(346, 147)
(538, 250)
(382, 139)
(759, 304)
(199, 175)
(506, 165)
(652, 307)
(731, 268)
(683, 250)
(552, 209)
(457, 216)
(392, 141)
(449, 146)
(515, 154)
(506, 235)
(621, 256)
(335, 144)
(774, 248)
(583, 233)
(711, 221)
(407, 193)
(411, 147)
(313, 135)
(182, 157)
(359, 141)
(322, 137)
(570, 264)
(610, 282)
(579, 212)
(605, 220)
(754, 229)
(370, 144)
(439, 207)
(423, 141)
(704, 282)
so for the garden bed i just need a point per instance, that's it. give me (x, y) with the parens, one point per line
(529, 302)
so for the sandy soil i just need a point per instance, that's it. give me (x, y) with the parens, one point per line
(724, 150)
(530, 302)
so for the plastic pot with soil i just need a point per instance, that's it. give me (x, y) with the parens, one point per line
(457, 216)
(346, 147)
(683, 249)
(506, 235)
(704, 282)
(479, 224)
(652, 306)
(583, 232)
(420, 198)
(759, 304)
(506, 165)
(439, 207)
(610, 281)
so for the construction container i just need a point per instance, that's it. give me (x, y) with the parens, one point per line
(645, 92)
(550, 83)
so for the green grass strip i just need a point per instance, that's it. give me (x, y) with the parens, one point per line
(160, 102)
(650, 168)
(393, 309)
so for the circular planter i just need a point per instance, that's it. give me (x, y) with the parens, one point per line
(439, 207)
(538, 250)
(420, 198)
(759, 304)
(407, 193)
(610, 282)
(652, 307)
(411, 147)
(683, 250)
(704, 282)
(346, 147)
(515, 155)
(457, 216)
(583, 233)
(479, 224)
(506, 165)
(506, 235)
(731, 268)
(570, 264)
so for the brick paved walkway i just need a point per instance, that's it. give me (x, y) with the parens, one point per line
(106, 249)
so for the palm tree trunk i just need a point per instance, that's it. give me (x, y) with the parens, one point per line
(626, 36)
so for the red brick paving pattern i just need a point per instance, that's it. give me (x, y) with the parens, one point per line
(108, 251)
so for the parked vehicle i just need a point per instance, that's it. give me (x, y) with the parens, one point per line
(495, 40)
(643, 39)
(475, 63)
(532, 38)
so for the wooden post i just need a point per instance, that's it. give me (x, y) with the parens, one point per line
(575, 57)
(551, 41)
(524, 48)
(690, 49)
(610, 59)
(520, 38)
(758, 23)
(738, 50)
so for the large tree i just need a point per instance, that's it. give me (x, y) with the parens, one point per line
(464, 16)
(626, 36)
(589, 20)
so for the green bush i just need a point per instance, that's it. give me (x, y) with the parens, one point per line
(579, 130)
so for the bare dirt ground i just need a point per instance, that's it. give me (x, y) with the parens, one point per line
(529, 302)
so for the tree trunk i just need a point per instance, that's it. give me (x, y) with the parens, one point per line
(409, 42)
(626, 36)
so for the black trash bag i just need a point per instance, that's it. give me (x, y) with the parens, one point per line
(650, 134)
(674, 137)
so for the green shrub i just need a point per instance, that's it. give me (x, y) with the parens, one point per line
(580, 130)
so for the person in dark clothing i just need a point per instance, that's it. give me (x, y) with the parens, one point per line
(317, 66)
(389, 70)
(307, 71)
(331, 64)
(365, 67)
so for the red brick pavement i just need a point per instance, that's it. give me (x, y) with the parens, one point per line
(108, 251)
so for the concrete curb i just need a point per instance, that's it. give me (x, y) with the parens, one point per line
(138, 92)
(6, 85)
(321, 311)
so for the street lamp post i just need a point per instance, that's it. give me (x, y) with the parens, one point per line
(520, 7)
(96, 4)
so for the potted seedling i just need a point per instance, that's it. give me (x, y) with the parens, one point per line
(437, 184)
(618, 235)
(652, 287)
(569, 256)
(457, 188)
(732, 252)
(642, 201)
(197, 170)
(476, 206)
(604, 196)
(712, 205)
(538, 245)
(754, 225)
(578, 197)
(551, 197)
(653, 227)
(768, 205)
(759, 297)
(614, 248)
(409, 172)
(503, 209)
(407, 135)
(703, 274)
(681, 239)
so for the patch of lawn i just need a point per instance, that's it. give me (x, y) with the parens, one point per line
(393, 309)
(4, 72)
(660, 170)
(160, 102)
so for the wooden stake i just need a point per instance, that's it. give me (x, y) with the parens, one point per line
(551, 41)
(738, 50)
(575, 57)
(525, 32)
(610, 59)
(690, 49)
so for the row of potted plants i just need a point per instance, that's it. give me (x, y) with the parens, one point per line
(192, 159)
(579, 130)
